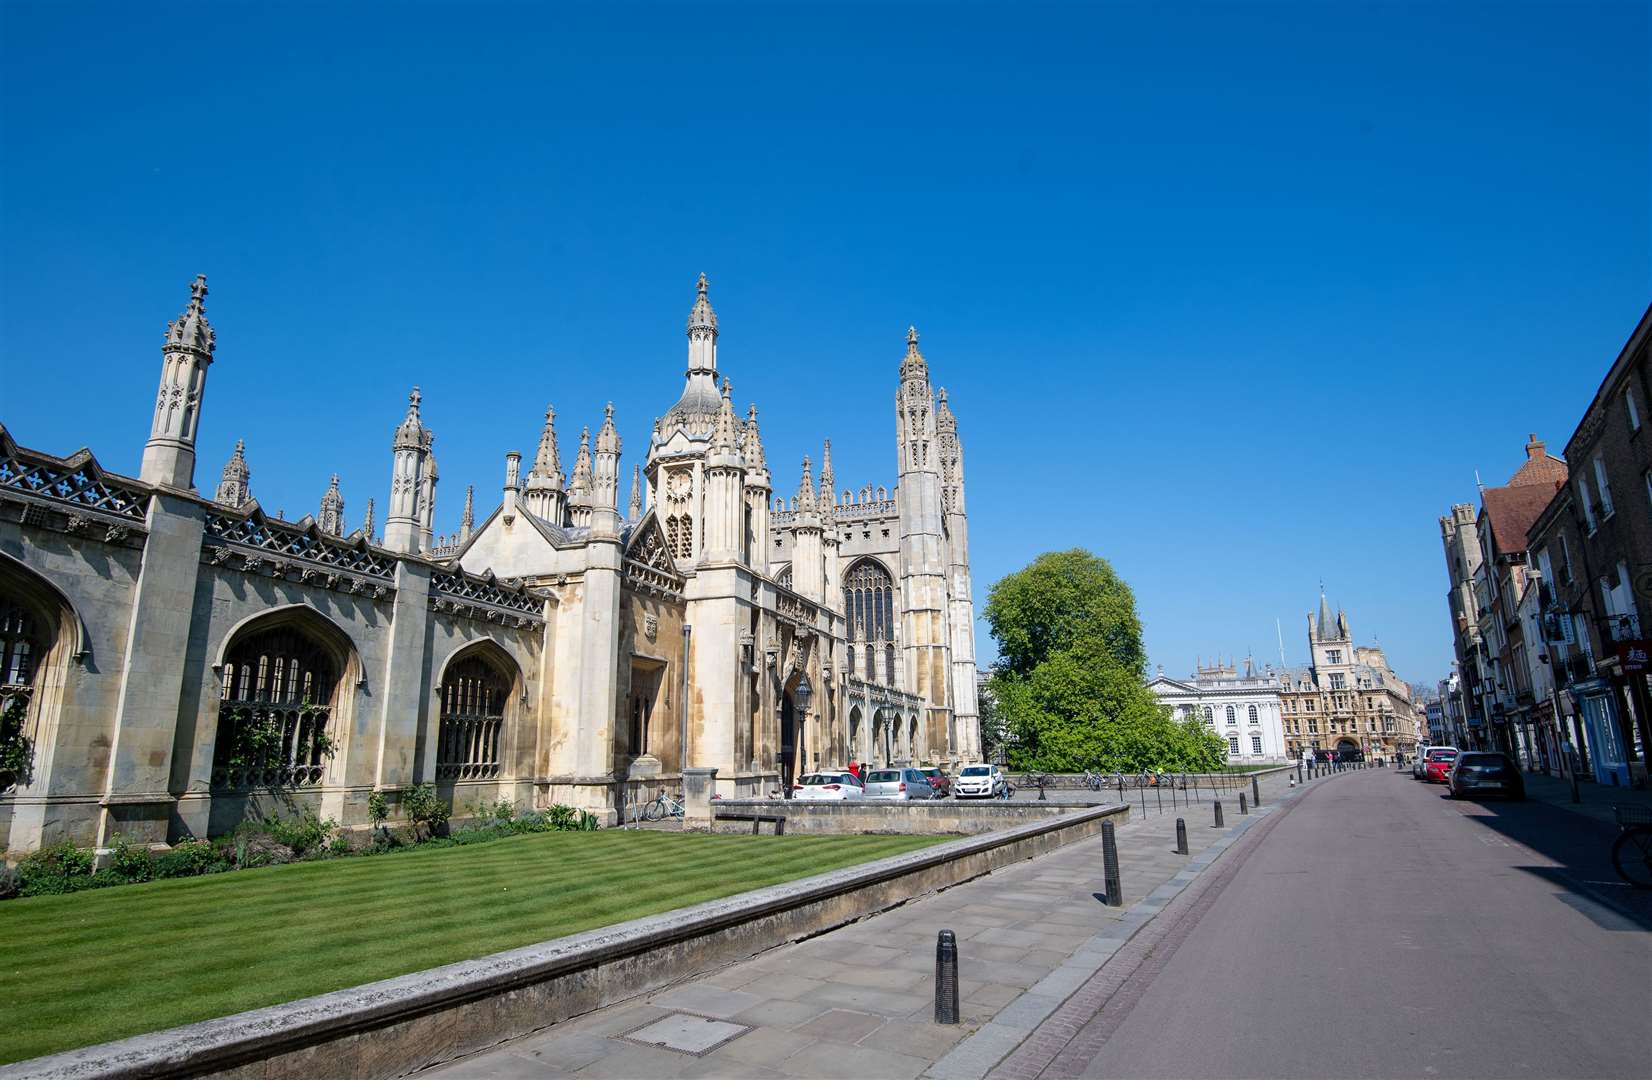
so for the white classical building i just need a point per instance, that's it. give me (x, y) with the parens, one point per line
(1242, 708)
(172, 660)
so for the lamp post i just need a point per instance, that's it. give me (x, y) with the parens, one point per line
(800, 705)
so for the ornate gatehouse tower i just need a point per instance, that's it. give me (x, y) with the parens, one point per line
(172, 661)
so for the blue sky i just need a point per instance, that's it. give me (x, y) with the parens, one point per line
(1237, 295)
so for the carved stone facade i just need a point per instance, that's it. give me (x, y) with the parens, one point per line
(171, 663)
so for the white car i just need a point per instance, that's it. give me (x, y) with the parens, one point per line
(828, 785)
(980, 782)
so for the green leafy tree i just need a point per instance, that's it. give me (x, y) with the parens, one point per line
(1069, 685)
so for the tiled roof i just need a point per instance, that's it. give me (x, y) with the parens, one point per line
(1541, 467)
(1512, 510)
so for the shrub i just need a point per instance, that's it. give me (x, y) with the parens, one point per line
(190, 858)
(378, 808)
(504, 810)
(57, 868)
(129, 862)
(341, 846)
(11, 882)
(426, 809)
(306, 836)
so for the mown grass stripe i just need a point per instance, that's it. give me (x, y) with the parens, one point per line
(101, 965)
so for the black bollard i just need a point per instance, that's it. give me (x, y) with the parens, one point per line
(1255, 792)
(946, 977)
(1217, 806)
(1181, 837)
(1111, 889)
(1242, 808)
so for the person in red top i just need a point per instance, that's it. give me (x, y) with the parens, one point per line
(854, 770)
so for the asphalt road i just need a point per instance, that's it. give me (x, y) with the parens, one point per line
(1377, 929)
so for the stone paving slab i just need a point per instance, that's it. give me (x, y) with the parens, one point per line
(858, 1001)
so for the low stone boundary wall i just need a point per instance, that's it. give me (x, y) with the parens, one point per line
(1075, 781)
(968, 817)
(397, 1026)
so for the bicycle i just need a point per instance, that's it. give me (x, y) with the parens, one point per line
(1632, 850)
(662, 806)
(1093, 780)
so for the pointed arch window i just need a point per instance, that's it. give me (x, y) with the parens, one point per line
(869, 607)
(21, 646)
(274, 710)
(473, 718)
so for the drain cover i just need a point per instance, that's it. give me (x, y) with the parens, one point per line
(686, 1033)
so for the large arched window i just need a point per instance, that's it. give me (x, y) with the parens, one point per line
(272, 718)
(1252, 714)
(473, 718)
(21, 646)
(1232, 718)
(869, 607)
(785, 578)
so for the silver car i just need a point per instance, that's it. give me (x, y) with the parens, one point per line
(898, 784)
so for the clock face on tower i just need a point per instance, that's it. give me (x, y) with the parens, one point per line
(678, 486)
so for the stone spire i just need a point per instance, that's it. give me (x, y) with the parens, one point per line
(411, 433)
(579, 486)
(545, 497)
(944, 420)
(701, 317)
(235, 487)
(634, 510)
(412, 481)
(725, 437)
(753, 446)
(468, 521)
(186, 353)
(806, 490)
(695, 412)
(757, 493)
(913, 365)
(547, 464)
(828, 493)
(331, 520)
(605, 471)
(367, 522)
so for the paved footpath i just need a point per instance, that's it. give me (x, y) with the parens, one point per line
(1376, 928)
(858, 1001)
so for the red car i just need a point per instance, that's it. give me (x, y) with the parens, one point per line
(1437, 769)
(940, 781)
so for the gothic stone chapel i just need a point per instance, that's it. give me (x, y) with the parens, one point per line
(172, 663)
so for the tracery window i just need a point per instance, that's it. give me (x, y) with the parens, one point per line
(785, 578)
(20, 651)
(473, 718)
(19, 646)
(273, 714)
(869, 607)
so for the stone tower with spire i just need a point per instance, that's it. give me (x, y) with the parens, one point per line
(235, 486)
(923, 586)
(545, 497)
(186, 353)
(331, 518)
(411, 482)
(960, 590)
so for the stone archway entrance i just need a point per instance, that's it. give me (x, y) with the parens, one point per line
(1347, 750)
(789, 741)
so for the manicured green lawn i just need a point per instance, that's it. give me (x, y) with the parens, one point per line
(100, 965)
